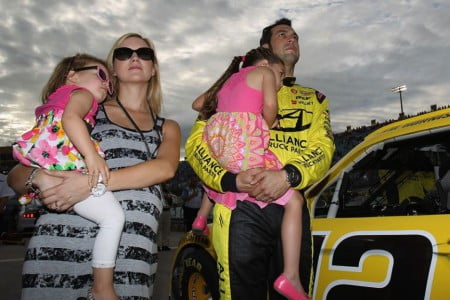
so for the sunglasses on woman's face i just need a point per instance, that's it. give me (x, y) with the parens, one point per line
(125, 53)
(101, 74)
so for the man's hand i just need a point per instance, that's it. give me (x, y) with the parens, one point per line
(270, 185)
(245, 180)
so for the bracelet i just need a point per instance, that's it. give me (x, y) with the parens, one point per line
(29, 183)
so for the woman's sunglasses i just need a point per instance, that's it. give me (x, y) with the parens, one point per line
(125, 53)
(101, 74)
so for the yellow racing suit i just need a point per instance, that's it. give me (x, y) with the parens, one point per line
(243, 243)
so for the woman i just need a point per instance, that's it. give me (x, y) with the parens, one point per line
(57, 262)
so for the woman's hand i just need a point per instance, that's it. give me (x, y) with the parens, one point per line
(72, 188)
(44, 179)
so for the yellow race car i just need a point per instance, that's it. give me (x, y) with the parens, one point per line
(380, 221)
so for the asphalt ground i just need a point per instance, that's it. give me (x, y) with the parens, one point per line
(12, 252)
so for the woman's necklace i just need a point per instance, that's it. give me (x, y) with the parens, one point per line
(150, 154)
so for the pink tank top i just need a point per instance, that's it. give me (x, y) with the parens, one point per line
(59, 99)
(237, 96)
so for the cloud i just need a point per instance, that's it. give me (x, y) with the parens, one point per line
(352, 51)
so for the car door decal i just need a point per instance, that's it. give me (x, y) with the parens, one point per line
(401, 261)
(319, 240)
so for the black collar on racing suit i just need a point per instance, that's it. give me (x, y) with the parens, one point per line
(289, 81)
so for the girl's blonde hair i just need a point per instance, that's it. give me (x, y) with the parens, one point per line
(154, 92)
(62, 69)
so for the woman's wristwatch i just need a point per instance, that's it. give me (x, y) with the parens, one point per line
(99, 189)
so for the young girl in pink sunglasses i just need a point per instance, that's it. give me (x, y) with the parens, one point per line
(60, 140)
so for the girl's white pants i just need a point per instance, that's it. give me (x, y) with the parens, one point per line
(106, 211)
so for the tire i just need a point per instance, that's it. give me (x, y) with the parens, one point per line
(194, 276)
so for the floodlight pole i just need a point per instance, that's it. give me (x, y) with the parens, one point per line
(399, 90)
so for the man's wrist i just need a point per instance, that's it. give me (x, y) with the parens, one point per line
(228, 183)
(293, 175)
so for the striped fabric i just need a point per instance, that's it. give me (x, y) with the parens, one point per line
(58, 259)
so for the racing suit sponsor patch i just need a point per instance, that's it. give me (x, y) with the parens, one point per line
(320, 97)
(208, 164)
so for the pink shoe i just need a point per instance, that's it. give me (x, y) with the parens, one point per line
(199, 226)
(283, 286)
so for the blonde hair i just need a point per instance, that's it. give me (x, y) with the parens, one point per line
(154, 92)
(62, 69)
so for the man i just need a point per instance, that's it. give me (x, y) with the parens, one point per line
(8, 208)
(165, 221)
(192, 196)
(247, 239)
(5, 192)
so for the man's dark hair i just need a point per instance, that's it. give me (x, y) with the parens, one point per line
(267, 32)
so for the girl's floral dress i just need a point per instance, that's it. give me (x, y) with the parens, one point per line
(238, 136)
(46, 145)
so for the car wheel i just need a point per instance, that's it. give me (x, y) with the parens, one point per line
(194, 276)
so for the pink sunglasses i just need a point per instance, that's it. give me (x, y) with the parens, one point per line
(101, 74)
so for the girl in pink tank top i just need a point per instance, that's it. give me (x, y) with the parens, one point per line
(60, 140)
(240, 107)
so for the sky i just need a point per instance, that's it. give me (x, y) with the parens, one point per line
(353, 51)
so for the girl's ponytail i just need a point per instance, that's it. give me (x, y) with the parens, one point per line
(210, 104)
(249, 59)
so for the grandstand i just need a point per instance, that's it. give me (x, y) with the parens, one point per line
(345, 141)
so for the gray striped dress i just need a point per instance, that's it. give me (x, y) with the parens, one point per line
(58, 259)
